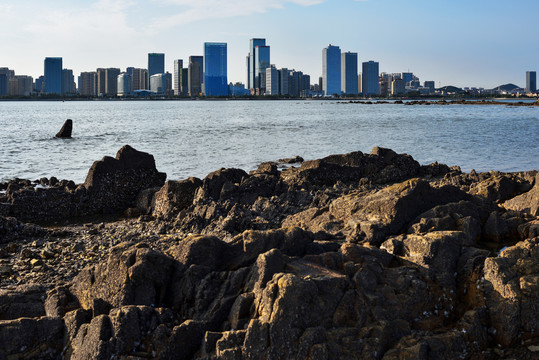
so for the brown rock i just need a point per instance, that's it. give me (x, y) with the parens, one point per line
(65, 131)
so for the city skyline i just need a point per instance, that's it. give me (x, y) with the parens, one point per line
(460, 44)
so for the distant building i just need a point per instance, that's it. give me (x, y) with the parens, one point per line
(101, 81)
(272, 81)
(215, 69)
(38, 84)
(184, 82)
(283, 81)
(397, 87)
(125, 84)
(238, 89)
(359, 84)
(262, 62)
(178, 67)
(88, 83)
(195, 75)
(407, 77)
(531, 81)
(111, 81)
(158, 84)
(68, 82)
(331, 70)
(252, 62)
(369, 80)
(20, 85)
(349, 73)
(140, 79)
(53, 75)
(156, 64)
(431, 85)
(5, 75)
(305, 86)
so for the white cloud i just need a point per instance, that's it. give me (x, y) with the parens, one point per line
(193, 11)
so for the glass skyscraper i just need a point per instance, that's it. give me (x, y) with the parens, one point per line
(53, 75)
(195, 76)
(370, 84)
(531, 81)
(349, 73)
(331, 70)
(251, 61)
(262, 62)
(156, 64)
(215, 69)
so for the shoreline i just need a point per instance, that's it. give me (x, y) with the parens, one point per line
(302, 255)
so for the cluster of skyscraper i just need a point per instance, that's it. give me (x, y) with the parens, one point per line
(207, 75)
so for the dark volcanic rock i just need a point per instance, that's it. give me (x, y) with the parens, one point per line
(113, 183)
(65, 131)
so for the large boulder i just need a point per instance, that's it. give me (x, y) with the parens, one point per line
(527, 202)
(114, 183)
(175, 196)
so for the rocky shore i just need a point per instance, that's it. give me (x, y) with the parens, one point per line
(354, 256)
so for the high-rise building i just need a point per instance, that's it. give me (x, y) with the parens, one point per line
(184, 83)
(359, 84)
(111, 81)
(431, 85)
(101, 83)
(272, 81)
(5, 75)
(158, 84)
(262, 62)
(370, 84)
(252, 61)
(156, 64)
(38, 84)
(397, 87)
(88, 83)
(331, 70)
(407, 77)
(349, 73)
(140, 79)
(294, 83)
(215, 69)
(531, 81)
(53, 75)
(68, 82)
(168, 79)
(178, 67)
(196, 75)
(283, 81)
(125, 84)
(20, 85)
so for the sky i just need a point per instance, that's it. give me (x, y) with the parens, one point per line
(465, 43)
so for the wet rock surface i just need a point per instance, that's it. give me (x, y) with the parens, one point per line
(354, 256)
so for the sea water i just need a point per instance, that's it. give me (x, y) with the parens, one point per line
(193, 138)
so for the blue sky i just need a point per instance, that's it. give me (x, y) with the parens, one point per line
(481, 43)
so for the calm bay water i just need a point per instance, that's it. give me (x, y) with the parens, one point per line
(193, 138)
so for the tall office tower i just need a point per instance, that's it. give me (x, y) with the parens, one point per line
(101, 83)
(294, 83)
(407, 77)
(38, 84)
(5, 75)
(88, 83)
(397, 87)
(215, 69)
(262, 62)
(129, 70)
(331, 70)
(196, 75)
(158, 84)
(111, 81)
(20, 85)
(178, 67)
(359, 84)
(156, 64)
(272, 81)
(53, 75)
(168, 79)
(305, 85)
(531, 81)
(140, 79)
(383, 86)
(370, 85)
(349, 73)
(184, 82)
(251, 62)
(125, 84)
(283, 81)
(431, 85)
(68, 81)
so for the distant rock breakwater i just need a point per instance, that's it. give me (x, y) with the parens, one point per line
(354, 256)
